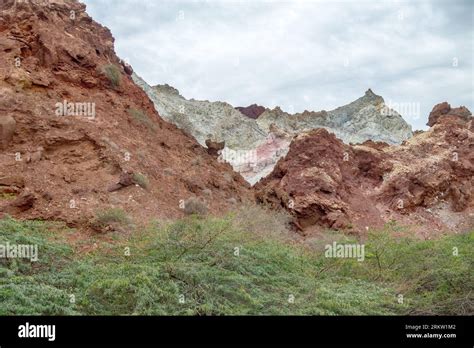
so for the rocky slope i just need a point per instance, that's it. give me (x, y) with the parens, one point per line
(245, 142)
(367, 118)
(204, 120)
(78, 135)
(256, 137)
(444, 110)
(426, 183)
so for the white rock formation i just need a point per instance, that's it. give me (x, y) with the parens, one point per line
(366, 118)
(202, 119)
(254, 146)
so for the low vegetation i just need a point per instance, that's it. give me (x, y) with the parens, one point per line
(141, 180)
(217, 266)
(140, 117)
(195, 206)
(113, 74)
(113, 217)
(7, 196)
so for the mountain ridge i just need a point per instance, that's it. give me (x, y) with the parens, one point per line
(366, 118)
(108, 148)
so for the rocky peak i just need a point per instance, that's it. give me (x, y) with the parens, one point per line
(371, 95)
(252, 111)
(366, 118)
(249, 133)
(442, 110)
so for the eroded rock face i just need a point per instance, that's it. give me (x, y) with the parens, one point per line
(214, 148)
(68, 160)
(428, 182)
(249, 133)
(217, 121)
(444, 110)
(367, 118)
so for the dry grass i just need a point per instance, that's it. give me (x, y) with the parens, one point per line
(258, 220)
(195, 206)
(113, 74)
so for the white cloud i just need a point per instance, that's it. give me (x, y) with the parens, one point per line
(278, 52)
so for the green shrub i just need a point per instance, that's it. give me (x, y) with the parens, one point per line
(431, 278)
(141, 180)
(113, 217)
(7, 196)
(195, 206)
(141, 118)
(51, 252)
(26, 296)
(220, 266)
(113, 74)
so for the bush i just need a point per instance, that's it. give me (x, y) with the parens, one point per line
(51, 252)
(220, 266)
(429, 273)
(22, 292)
(7, 196)
(195, 206)
(111, 218)
(24, 296)
(431, 278)
(113, 74)
(141, 118)
(141, 180)
(257, 219)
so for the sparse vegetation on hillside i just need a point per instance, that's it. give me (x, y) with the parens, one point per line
(113, 217)
(7, 196)
(112, 72)
(195, 206)
(141, 180)
(206, 266)
(141, 117)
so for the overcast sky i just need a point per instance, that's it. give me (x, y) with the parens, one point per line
(300, 55)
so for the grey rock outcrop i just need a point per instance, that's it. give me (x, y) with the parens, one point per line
(202, 119)
(253, 146)
(367, 118)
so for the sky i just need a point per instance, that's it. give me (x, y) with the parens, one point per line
(300, 55)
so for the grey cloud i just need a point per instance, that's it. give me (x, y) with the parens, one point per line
(299, 54)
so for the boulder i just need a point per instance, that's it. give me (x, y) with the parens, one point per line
(252, 111)
(213, 147)
(126, 179)
(22, 203)
(127, 68)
